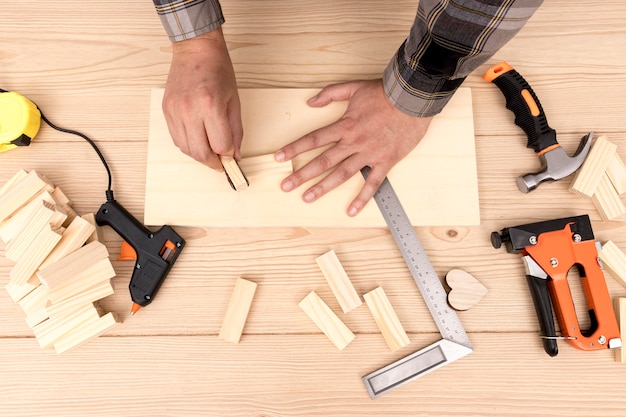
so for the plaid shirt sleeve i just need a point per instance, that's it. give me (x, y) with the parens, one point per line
(449, 39)
(185, 19)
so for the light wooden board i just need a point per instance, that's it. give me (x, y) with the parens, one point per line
(437, 182)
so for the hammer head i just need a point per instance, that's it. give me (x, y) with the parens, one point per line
(556, 164)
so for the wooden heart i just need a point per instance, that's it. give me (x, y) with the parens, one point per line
(465, 290)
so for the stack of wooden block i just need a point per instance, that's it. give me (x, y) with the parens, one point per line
(61, 269)
(603, 179)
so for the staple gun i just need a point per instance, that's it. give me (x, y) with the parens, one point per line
(550, 249)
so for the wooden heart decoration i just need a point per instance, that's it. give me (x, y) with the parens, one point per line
(465, 290)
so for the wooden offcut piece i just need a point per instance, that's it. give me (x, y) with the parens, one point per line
(606, 199)
(85, 331)
(238, 309)
(437, 181)
(591, 172)
(619, 304)
(386, 319)
(236, 178)
(616, 170)
(20, 193)
(326, 320)
(614, 261)
(66, 268)
(338, 281)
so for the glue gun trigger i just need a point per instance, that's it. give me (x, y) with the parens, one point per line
(127, 252)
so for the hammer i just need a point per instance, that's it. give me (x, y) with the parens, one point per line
(529, 115)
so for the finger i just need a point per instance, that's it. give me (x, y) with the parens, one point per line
(325, 161)
(333, 92)
(236, 126)
(316, 139)
(372, 183)
(342, 173)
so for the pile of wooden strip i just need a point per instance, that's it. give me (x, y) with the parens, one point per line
(61, 268)
(602, 178)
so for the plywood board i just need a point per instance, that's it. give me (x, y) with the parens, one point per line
(437, 182)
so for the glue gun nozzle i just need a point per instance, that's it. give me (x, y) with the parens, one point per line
(135, 308)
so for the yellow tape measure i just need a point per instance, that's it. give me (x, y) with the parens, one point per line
(19, 120)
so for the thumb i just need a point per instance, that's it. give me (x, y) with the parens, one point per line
(333, 92)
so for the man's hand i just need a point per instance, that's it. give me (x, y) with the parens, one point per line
(372, 132)
(201, 103)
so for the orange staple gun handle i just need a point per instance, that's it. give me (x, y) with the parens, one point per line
(556, 252)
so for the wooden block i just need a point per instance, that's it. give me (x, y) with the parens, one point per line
(21, 193)
(41, 217)
(386, 319)
(619, 304)
(67, 268)
(238, 309)
(36, 253)
(589, 175)
(17, 292)
(616, 170)
(96, 235)
(237, 178)
(465, 290)
(442, 165)
(73, 238)
(265, 165)
(50, 331)
(326, 320)
(614, 261)
(12, 226)
(91, 295)
(81, 281)
(85, 332)
(339, 281)
(35, 300)
(17, 177)
(606, 199)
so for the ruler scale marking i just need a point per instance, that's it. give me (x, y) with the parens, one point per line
(455, 343)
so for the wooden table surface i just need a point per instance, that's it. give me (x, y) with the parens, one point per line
(91, 65)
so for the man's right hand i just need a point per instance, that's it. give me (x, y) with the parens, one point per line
(201, 104)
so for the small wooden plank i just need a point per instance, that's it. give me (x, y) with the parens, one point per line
(21, 193)
(97, 234)
(50, 331)
(17, 292)
(12, 226)
(16, 178)
(81, 281)
(386, 319)
(614, 261)
(58, 309)
(65, 269)
(38, 219)
(326, 320)
(234, 173)
(238, 309)
(616, 170)
(589, 175)
(34, 300)
(37, 252)
(85, 332)
(265, 165)
(619, 304)
(74, 237)
(606, 199)
(339, 281)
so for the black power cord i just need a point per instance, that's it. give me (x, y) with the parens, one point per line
(109, 191)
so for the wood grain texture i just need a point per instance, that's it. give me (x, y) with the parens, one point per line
(443, 165)
(94, 70)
